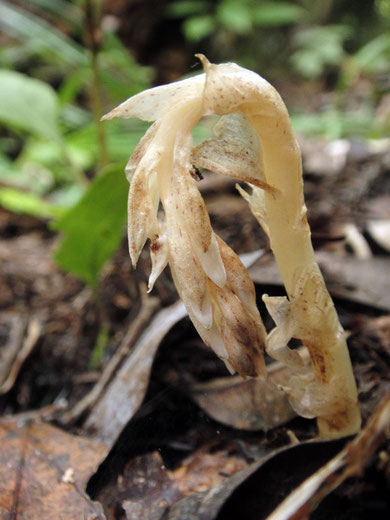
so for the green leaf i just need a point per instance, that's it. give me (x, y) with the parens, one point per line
(198, 27)
(235, 15)
(28, 104)
(64, 10)
(29, 203)
(275, 14)
(94, 227)
(40, 36)
(185, 8)
(335, 124)
(319, 47)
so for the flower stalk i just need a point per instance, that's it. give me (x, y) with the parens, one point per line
(254, 143)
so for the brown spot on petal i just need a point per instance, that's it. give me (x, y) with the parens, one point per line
(155, 246)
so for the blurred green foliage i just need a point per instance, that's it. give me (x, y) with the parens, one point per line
(202, 19)
(50, 144)
(327, 43)
(94, 226)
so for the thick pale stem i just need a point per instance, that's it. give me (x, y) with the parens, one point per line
(292, 247)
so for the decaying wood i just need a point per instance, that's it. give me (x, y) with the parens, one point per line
(19, 350)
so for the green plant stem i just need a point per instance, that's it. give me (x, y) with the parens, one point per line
(102, 337)
(77, 173)
(93, 40)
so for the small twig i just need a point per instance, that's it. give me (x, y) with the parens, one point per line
(148, 307)
(33, 333)
(45, 414)
(10, 350)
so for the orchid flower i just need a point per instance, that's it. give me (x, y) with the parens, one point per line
(254, 143)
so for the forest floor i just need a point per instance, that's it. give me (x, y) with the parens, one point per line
(114, 408)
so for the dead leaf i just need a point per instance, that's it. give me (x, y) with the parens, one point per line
(380, 327)
(125, 393)
(255, 491)
(322, 157)
(365, 281)
(36, 462)
(206, 468)
(146, 491)
(350, 461)
(207, 504)
(148, 306)
(379, 230)
(247, 404)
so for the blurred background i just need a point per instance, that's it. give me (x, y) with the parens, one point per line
(66, 62)
(63, 192)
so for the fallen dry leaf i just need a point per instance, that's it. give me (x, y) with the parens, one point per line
(379, 230)
(148, 306)
(255, 491)
(125, 393)
(246, 404)
(44, 472)
(364, 281)
(349, 462)
(205, 468)
(123, 396)
(380, 327)
(146, 491)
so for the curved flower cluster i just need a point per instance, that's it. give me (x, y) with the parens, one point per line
(210, 278)
(254, 142)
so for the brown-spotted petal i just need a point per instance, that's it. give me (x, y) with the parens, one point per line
(142, 210)
(190, 210)
(238, 278)
(229, 88)
(242, 333)
(159, 252)
(187, 273)
(235, 151)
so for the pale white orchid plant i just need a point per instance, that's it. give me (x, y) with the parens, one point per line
(254, 143)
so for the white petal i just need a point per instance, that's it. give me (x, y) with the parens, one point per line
(211, 261)
(188, 275)
(229, 87)
(256, 203)
(212, 337)
(281, 312)
(141, 150)
(142, 211)
(238, 278)
(159, 252)
(279, 308)
(154, 103)
(235, 151)
(203, 313)
(187, 207)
